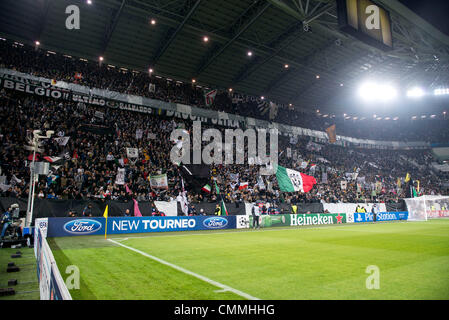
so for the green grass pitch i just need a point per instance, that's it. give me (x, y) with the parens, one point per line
(302, 263)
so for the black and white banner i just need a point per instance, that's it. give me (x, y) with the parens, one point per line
(38, 88)
(120, 177)
(132, 152)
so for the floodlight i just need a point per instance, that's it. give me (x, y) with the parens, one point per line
(387, 92)
(415, 92)
(442, 91)
(368, 91)
(371, 91)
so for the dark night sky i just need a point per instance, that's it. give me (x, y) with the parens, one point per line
(436, 12)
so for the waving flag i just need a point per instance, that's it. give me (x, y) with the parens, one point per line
(53, 159)
(331, 134)
(223, 210)
(243, 185)
(62, 141)
(206, 188)
(137, 212)
(210, 97)
(291, 181)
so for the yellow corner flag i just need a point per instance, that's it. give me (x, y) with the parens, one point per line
(105, 214)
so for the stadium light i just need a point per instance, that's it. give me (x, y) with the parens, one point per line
(387, 93)
(286, 66)
(262, 97)
(153, 21)
(193, 80)
(440, 92)
(101, 58)
(205, 38)
(415, 92)
(370, 91)
(89, 2)
(249, 53)
(37, 43)
(230, 89)
(317, 76)
(150, 70)
(367, 91)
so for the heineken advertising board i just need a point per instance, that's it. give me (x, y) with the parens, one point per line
(317, 219)
(287, 220)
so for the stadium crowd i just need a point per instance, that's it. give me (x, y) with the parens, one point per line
(88, 163)
(92, 74)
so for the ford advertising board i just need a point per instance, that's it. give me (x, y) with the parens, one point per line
(61, 227)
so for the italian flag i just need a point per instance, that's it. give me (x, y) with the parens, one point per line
(206, 188)
(291, 181)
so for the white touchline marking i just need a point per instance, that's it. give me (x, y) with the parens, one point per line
(212, 282)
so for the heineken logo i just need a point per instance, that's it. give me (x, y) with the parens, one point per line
(316, 219)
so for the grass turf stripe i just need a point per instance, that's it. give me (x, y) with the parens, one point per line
(205, 279)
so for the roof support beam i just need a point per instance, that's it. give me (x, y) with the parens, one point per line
(112, 25)
(167, 44)
(216, 53)
(312, 16)
(141, 9)
(45, 9)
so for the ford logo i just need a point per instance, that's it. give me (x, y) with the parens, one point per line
(215, 223)
(82, 226)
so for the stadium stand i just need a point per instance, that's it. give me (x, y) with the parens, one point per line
(90, 159)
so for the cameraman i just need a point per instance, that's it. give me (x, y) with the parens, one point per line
(6, 221)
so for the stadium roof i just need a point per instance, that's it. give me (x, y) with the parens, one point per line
(302, 34)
